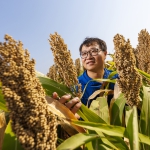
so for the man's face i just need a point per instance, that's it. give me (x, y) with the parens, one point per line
(93, 63)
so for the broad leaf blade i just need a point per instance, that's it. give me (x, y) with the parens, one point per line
(105, 80)
(104, 147)
(89, 146)
(90, 115)
(3, 106)
(105, 128)
(128, 111)
(112, 74)
(76, 141)
(144, 125)
(117, 110)
(2, 101)
(144, 139)
(97, 144)
(118, 142)
(51, 86)
(111, 65)
(2, 127)
(100, 107)
(146, 75)
(132, 130)
(10, 140)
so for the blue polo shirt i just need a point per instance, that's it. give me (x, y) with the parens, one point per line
(93, 86)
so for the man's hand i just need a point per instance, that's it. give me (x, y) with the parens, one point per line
(73, 104)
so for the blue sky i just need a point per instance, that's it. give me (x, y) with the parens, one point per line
(31, 21)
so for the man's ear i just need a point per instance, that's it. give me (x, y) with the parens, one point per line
(105, 53)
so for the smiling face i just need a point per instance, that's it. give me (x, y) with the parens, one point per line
(93, 63)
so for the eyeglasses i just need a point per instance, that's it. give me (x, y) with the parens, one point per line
(93, 52)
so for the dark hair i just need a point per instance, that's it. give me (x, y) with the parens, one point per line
(90, 41)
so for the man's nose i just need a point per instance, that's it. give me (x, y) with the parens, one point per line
(89, 54)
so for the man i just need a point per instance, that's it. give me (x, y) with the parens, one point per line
(93, 53)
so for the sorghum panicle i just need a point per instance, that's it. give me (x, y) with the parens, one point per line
(78, 66)
(129, 79)
(142, 52)
(32, 122)
(54, 74)
(64, 63)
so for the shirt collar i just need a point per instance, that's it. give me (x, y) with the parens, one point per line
(105, 76)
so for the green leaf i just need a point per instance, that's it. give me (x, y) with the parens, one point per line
(112, 74)
(2, 127)
(51, 86)
(146, 75)
(144, 139)
(2, 102)
(145, 112)
(110, 62)
(111, 67)
(105, 128)
(118, 142)
(90, 115)
(98, 80)
(104, 147)
(89, 146)
(100, 107)
(10, 141)
(80, 113)
(144, 124)
(117, 110)
(105, 80)
(99, 145)
(109, 142)
(3, 107)
(132, 130)
(76, 141)
(101, 141)
(128, 111)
